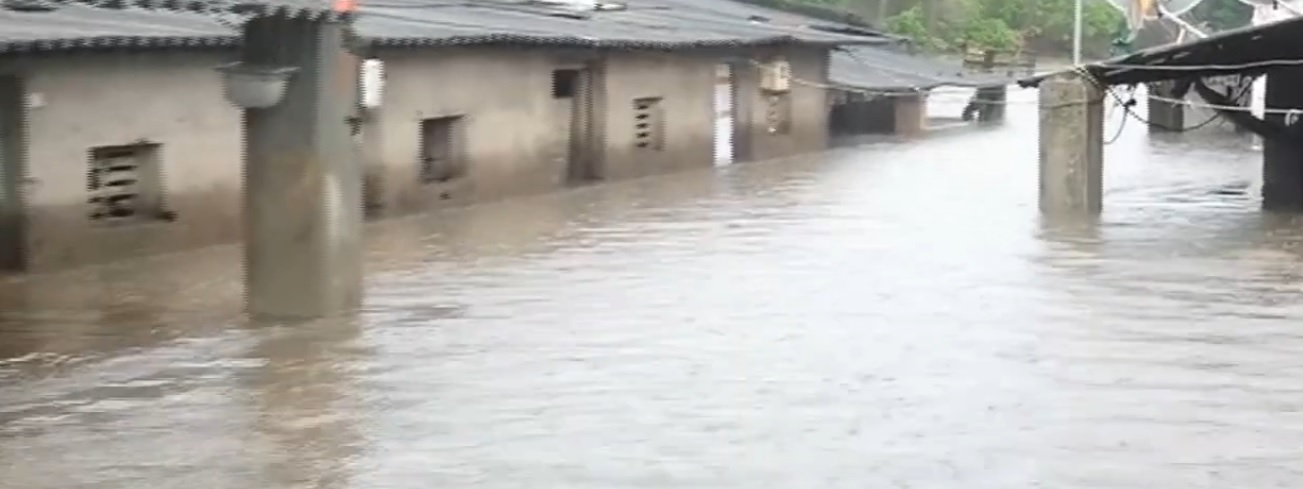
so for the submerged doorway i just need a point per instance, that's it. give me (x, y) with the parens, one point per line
(724, 114)
(13, 220)
(577, 86)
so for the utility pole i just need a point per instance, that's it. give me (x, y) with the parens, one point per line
(1076, 32)
(303, 185)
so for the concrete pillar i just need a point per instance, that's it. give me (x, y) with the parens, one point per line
(13, 175)
(911, 114)
(1164, 116)
(376, 197)
(1071, 146)
(303, 184)
(1282, 155)
(991, 102)
(746, 89)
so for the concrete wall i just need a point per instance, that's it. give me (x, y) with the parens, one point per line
(173, 99)
(513, 133)
(515, 137)
(685, 82)
(809, 106)
(911, 115)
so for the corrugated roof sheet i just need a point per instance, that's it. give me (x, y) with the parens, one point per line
(644, 24)
(292, 8)
(1250, 51)
(890, 68)
(78, 27)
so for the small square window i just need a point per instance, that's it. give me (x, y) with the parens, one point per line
(778, 113)
(440, 156)
(648, 123)
(125, 184)
(565, 83)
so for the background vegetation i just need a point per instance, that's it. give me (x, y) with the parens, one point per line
(1041, 25)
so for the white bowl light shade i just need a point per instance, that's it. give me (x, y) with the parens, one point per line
(255, 87)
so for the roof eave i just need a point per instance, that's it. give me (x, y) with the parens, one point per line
(254, 8)
(517, 40)
(118, 43)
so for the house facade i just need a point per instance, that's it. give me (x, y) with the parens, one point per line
(117, 155)
(108, 154)
(447, 133)
(885, 89)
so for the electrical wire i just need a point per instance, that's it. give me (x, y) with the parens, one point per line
(1122, 125)
(1270, 63)
(917, 90)
(1127, 105)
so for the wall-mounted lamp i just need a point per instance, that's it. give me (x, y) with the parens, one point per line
(255, 87)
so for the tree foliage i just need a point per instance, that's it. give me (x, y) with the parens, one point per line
(1041, 25)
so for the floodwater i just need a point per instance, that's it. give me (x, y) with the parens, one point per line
(891, 315)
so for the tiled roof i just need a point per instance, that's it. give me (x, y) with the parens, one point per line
(84, 28)
(891, 68)
(291, 8)
(643, 24)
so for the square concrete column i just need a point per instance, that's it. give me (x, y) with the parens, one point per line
(1164, 115)
(1071, 145)
(376, 198)
(303, 183)
(991, 104)
(1282, 154)
(911, 114)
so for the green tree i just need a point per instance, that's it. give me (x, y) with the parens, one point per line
(912, 24)
(1043, 25)
(1221, 15)
(990, 33)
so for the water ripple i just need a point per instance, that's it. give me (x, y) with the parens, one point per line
(890, 315)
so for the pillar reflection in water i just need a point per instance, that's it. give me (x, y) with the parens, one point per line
(305, 401)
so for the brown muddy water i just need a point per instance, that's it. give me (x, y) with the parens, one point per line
(890, 315)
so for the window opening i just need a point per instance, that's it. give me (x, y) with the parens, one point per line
(778, 113)
(440, 160)
(648, 123)
(123, 182)
(565, 83)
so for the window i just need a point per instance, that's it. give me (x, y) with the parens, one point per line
(648, 123)
(440, 156)
(125, 184)
(565, 83)
(778, 113)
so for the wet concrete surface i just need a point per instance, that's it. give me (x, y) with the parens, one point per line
(889, 315)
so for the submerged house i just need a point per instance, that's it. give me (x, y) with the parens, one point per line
(117, 141)
(488, 99)
(884, 89)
